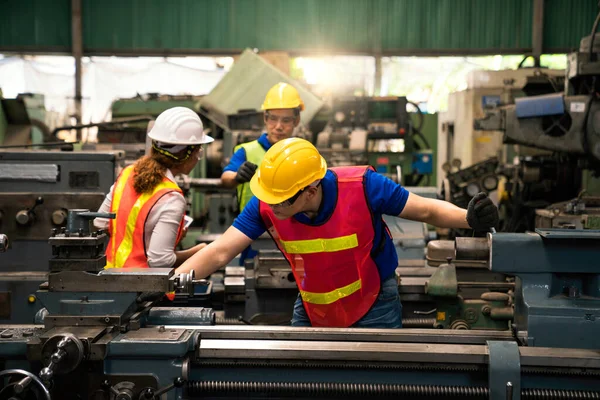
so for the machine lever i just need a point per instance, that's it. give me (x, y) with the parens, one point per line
(150, 394)
(27, 217)
(47, 373)
(3, 243)
(108, 387)
(509, 391)
(92, 215)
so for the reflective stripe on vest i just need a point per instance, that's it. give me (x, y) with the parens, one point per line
(330, 297)
(126, 246)
(336, 275)
(320, 245)
(255, 154)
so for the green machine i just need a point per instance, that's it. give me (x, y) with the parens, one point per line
(381, 132)
(22, 120)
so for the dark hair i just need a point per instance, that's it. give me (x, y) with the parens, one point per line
(150, 170)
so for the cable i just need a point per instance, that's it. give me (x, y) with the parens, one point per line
(421, 116)
(418, 133)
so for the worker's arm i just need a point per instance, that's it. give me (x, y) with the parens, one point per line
(217, 254)
(228, 179)
(182, 255)
(434, 212)
(102, 223)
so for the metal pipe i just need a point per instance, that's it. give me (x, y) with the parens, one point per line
(487, 285)
(472, 248)
(77, 49)
(209, 184)
(537, 34)
(378, 74)
(105, 124)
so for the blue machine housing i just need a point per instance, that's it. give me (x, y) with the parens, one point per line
(557, 294)
(422, 163)
(538, 106)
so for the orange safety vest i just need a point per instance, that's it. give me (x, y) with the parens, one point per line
(336, 275)
(126, 248)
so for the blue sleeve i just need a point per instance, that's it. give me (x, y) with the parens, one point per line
(385, 196)
(249, 221)
(237, 159)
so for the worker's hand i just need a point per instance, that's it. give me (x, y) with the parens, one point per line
(245, 173)
(482, 214)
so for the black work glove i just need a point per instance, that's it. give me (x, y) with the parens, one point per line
(482, 214)
(245, 173)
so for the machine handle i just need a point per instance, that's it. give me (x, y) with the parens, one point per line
(3, 243)
(92, 215)
(47, 373)
(24, 384)
(151, 394)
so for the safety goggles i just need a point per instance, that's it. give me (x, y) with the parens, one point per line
(289, 202)
(273, 120)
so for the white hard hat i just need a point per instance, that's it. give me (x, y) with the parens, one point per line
(179, 125)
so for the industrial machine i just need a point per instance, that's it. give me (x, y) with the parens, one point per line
(582, 212)
(459, 139)
(36, 190)
(562, 125)
(23, 120)
(103, 337)
(377, 131)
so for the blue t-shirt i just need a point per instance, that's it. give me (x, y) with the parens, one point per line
(239, 157)
(384, 196)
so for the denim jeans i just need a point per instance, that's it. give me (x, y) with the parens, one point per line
(386, 312)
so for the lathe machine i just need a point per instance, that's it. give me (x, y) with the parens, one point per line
(103, 337)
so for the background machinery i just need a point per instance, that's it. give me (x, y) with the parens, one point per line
(562, 129)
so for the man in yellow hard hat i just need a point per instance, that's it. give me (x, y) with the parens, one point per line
(282, 108)
(328, 224)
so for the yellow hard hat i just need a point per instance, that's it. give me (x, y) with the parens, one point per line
(283, 95)
(289, 166)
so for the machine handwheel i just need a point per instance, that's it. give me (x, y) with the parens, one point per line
(23, 386)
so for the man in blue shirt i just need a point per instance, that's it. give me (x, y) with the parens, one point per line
(298, 195)
(282, 108)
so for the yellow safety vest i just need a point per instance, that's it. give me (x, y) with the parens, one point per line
(255, 154)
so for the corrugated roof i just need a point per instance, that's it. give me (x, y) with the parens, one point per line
(342, 26)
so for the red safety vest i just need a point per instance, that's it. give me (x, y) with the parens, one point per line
(126, 248)
(336, 275)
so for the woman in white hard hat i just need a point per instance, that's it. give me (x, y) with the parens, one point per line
(148, 204)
